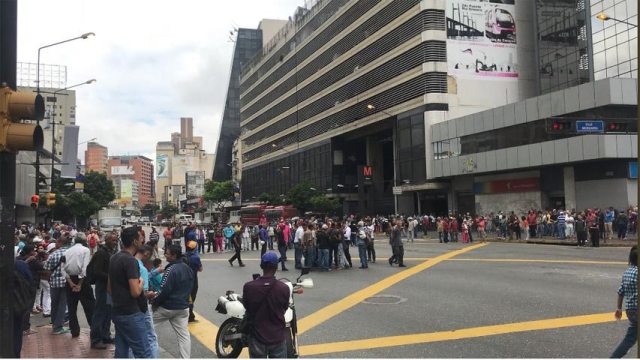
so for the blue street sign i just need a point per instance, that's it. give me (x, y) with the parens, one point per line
(590, 126)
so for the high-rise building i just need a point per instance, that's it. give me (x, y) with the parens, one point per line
(138, 168)
(186, 130)
(96, 157)
(436, 106)
(248, 42)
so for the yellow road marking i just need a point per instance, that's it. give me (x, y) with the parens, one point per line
(532, 261)
(391, 341)
(205, 331)
(339, 306)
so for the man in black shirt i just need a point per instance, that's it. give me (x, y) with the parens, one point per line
(125, 286)
(99, 269)
(266, 299)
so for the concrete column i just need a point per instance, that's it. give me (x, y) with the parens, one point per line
(569, 188)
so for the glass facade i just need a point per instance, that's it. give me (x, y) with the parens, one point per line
(562, 44)
(615, 44)
(411, 150)
(248, 42)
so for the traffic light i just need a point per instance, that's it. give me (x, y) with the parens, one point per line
(35, 200)
(16, 106)
(51, 199)
(557, 126)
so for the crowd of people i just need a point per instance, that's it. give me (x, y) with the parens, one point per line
(118, 278)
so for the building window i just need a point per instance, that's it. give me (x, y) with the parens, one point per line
(411, 149)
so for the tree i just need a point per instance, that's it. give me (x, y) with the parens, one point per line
(269, 198)
(150, 210)
(323, 204)
(218, 193)
(300, 196)
(98, 187)
(168, 210)
(74, 205)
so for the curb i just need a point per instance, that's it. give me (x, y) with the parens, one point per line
(559, 243)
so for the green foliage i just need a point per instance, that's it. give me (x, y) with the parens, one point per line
(168, 210)
(74, 205)
(300, 196)
(323, 204)
(269, 198)
(98, 187)
(150, 210)
(218, 193)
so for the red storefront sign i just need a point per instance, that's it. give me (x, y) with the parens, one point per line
(507, 186)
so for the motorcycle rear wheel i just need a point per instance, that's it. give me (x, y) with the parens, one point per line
(292, 344)
(229, 349)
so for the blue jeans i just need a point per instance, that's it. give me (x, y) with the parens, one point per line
(323, 255)
(631, 336)
(58, 307)
(362, 252)
(101, 321)
(562, 231)
(309, 256)
(298, 255)
(131, 332)
(151, 337)
(283, 255)
(262, 351)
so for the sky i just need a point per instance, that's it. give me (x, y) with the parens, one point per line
(154, 62)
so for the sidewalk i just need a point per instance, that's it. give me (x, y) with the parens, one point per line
(547, 240)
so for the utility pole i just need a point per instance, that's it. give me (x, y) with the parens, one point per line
(8, 63)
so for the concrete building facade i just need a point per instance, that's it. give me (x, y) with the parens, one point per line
(141, 170)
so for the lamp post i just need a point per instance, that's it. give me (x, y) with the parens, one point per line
(605, 17)
(371, 107)
(53, 126)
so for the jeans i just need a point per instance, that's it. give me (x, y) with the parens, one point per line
(622, 231)
(270, 242)
(398, 255)
(347, 255)
(323, 254)
(200, 246)
(371, 251)
(362, 252)
(101, 321)
(309, 256)
(131, 332)
(179, 320)
(58, 307)
(151, 336)
(85, 297)
(298, 255)
(282, 248)
(261, 351)
(562, 231)
(631, 336)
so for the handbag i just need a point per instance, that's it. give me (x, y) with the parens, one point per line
(246, 324)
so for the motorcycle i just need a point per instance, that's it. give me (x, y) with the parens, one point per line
(230, 340)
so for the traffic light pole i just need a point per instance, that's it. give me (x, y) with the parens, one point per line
(8, 63)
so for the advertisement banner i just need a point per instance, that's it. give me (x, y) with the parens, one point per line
(481, 39)
(507, 186)
(162, 164)
(194, 183)
(126, 189)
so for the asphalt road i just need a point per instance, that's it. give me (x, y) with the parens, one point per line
(454, 300)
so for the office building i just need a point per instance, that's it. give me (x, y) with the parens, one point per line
(96, 157)
(247, 43)
(138, 168)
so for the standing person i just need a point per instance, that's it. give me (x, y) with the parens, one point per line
(346, 232)
(608, 224)
(361, 242)
(177, 234)
(92, 240)
(622, 222)
(172, 302)
(440, 230)
(272, 235)
(570, 222)
(562, 225)
(525, 227)
(297, 245)
(23, 274)
(255, 237)
(196, 266)
(282, 245)
(628, 292)
(246, 238)
(142, 255)
(322, 238)
(237, 246)
(200, 238)
(396, 245)
(128, 303)
(371, 250)
(482, 223)
(167, 235)
(410, 229)
(58, 285)
(335, 243)
(594, 230)
(228, 236)
(35, 265)
(266, 299)
(581, 230)
(211, 238)
(219, 237)
(308, 245)
(43, 294)
(99, 268)
(75, 271)
(264, 239)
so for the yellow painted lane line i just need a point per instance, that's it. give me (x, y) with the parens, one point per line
(205, 331)
(413, 339)
(531, 261)
(336, 308)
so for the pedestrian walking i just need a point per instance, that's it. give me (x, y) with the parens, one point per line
(237, 246)
(281, 241)
(362, 241)
(193, 260)
(628, 291)
(396, 245)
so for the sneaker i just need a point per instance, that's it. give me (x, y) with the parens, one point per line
(46, 315)
(242, 265)
(230, 262)
(30, 332)
(402, 265)
(62, 331)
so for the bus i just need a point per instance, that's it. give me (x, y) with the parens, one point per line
(274, 213)
(251, 214)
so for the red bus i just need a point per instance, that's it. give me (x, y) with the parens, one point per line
(251, 214)
(274, 213)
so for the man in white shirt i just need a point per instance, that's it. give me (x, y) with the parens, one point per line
(297, 245)
(74, 269)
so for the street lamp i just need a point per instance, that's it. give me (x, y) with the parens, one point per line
(53, 125)
(84, 142)
(604, 17)
(83, 36)
(371, 107)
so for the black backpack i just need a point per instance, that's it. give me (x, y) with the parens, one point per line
(23, 293)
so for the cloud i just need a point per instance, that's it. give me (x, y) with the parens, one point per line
(154, 61)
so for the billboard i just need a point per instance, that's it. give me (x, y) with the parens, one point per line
(194, 183)
(162, 164)
(481, 39)
(69, 168)
(126, 189)
(122, 170)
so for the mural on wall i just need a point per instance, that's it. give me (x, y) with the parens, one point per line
(481, 38)
(162, 163)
